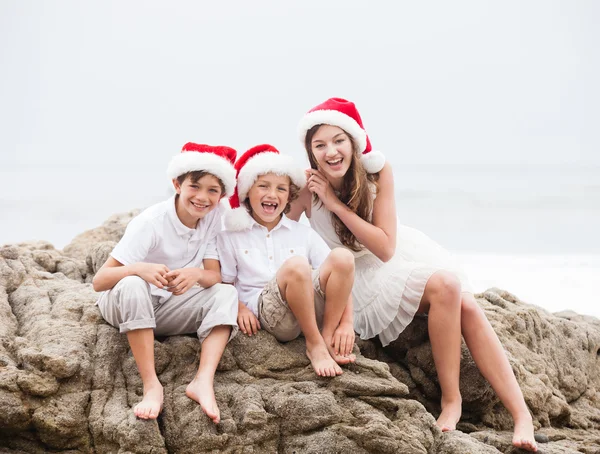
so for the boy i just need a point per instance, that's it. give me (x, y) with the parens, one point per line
(153, 282)
(269, 259)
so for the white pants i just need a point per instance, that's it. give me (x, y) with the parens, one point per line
(129, 306)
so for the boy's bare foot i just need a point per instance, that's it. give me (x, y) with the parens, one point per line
(152, 402)
(451, 411)
(201, 390)
(321, 360)
(523, 435)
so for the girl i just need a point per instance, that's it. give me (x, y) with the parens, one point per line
(349, 200)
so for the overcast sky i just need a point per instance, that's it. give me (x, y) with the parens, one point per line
(94, 86)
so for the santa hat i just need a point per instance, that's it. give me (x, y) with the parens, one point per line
(344, 114)
(259, 160)
(216, 160)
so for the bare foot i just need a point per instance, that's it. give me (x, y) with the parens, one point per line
(321, 360)
(523, 435)
(450, 415)
(152, 402)
(340, 359)
(201, 390)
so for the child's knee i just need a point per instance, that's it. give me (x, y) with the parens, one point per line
(132, 283)
(342, 260)
(227, 294)
(296, 269)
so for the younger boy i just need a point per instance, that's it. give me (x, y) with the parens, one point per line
(271, 259)
(154, 283)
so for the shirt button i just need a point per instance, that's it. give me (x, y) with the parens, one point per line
(245, 252)
(268, 235)
(292, 251)
(271, 258)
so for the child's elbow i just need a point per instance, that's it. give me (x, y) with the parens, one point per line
(96, 284)
(387, 254)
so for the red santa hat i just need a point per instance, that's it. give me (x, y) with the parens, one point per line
(216, 160)
(344, 114)
(258, 160)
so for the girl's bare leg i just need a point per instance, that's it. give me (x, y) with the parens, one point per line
(489, 355)
(442, 299)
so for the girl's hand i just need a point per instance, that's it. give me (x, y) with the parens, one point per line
(247, 321)
(318, 184)
(183, 279)
(343, 339)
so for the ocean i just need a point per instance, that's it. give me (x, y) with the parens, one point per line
(532, 230)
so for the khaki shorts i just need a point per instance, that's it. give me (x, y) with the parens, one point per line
(275, 315)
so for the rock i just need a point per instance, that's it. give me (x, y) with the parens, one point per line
(68, 381)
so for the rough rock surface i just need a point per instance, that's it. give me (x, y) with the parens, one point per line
(68, 380)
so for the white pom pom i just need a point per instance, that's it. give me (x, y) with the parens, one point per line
(373, 161)
(237, 219)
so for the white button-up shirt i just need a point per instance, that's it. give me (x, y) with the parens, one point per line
(251, 257)
(157, 235)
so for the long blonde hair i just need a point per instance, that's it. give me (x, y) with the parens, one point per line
(356, 192)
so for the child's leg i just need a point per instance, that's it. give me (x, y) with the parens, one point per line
(141, 342)
(212, 314)
(489, 355)
(442, 299)
(336, 276)
(201, 388)
(128, 306)
(294, 279)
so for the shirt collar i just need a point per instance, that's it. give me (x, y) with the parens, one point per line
(180, 228)
(283, 222)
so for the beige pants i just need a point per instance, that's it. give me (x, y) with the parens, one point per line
(130, 306)
(275, 315)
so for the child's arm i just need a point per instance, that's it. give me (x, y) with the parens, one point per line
(113, 271)
(343, 336)
(300, 205)
(379, 236)
(247, 321)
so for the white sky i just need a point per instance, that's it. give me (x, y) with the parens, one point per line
(96, 96)
(94, 86)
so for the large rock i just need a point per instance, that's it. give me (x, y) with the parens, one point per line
(68, 380)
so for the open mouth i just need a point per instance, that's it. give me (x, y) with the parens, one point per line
(269, 207)
(199, 206)
(335, 163)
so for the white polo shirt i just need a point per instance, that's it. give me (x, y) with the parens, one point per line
(157, 235)
(251, 257)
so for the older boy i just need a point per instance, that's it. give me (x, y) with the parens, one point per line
(287, 279)
(163, 277)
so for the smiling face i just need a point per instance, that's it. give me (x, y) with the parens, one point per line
(197, 197)
(332, 151)
(268, 197)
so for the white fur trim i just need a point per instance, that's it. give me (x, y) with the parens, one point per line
(237, 219)
(267, 162)
(373, 161)
(191, 161)
(334, 118)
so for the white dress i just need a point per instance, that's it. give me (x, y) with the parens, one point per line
(386, 295)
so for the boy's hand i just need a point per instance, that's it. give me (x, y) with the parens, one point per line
(153, 273)
(343, 339)
(182, 279)
(247, 321)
